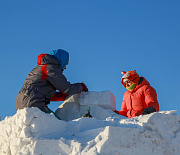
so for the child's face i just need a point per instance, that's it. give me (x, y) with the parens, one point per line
(128, 83)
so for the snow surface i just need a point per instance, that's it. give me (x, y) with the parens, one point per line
(32, 132)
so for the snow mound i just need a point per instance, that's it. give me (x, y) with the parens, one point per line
(31, 131)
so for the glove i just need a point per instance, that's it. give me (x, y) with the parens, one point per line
(47, 101)
(84, 87)
(117, 112)
(148, 110)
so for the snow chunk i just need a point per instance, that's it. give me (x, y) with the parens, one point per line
(101, 105)
(103, 99)
(69, 109)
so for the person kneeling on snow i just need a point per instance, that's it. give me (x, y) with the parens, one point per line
(140, 98)
(46, 82)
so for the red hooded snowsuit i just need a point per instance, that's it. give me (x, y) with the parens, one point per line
(142, 96)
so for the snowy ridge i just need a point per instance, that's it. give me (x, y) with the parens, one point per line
(32, 132)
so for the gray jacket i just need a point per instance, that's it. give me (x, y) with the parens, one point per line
(42, 82)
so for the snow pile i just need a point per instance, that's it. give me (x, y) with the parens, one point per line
(32, 132)
(77, 105)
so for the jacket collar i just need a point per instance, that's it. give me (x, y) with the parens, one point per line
(43, 59)
(144, 82)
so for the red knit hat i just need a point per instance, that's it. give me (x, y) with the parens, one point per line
(131, 76)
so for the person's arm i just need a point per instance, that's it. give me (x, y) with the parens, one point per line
(59, 81)
(58, 96)
(151, 98)
(123, 110)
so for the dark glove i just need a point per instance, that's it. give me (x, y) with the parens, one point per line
(148, 110)
(117, 112)
(84, 87)
(47, 101)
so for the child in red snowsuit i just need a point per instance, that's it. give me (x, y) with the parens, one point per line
(140, 98)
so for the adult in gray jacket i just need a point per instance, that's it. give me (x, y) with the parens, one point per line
(46, 82)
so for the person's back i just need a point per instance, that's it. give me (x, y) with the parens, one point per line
(42, 82)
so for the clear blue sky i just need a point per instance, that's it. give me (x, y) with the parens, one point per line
(103, 38)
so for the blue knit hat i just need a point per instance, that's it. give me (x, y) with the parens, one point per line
(62, 56)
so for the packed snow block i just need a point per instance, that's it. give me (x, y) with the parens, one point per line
(69, 110)
(103, 99)
(101, 105)
(73, 99)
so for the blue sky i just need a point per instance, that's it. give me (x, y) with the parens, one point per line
(103, 38)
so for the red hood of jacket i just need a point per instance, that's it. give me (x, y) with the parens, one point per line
(39, 58)
(44, 59)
